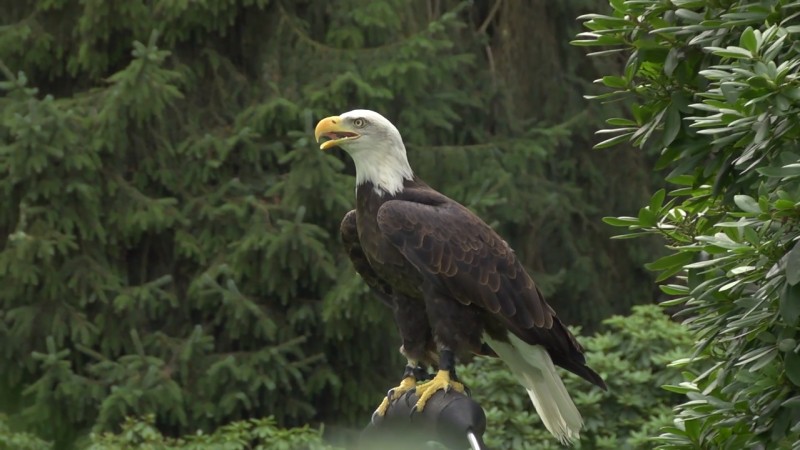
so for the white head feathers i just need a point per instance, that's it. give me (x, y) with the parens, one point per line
(378, 151)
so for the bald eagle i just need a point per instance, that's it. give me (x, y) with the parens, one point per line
(455, 286)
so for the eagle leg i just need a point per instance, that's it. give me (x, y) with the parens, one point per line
(445, 379)
(412, 373)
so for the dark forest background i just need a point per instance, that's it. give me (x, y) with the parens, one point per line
(169, 229)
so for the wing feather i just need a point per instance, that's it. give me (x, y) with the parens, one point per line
(452, 246)
(467, 257)
(349, 233)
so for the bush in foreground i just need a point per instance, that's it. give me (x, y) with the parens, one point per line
(715, 88)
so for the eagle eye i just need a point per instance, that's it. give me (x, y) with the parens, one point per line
(359, 123)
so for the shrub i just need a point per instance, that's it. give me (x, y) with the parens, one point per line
(254, 434)
(715, 91)
(12, 440)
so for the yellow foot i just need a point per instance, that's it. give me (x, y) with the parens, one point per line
(408, 383)
(441, 381)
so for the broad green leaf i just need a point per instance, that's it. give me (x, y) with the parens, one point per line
(673, 289)
(621, 221)
(670, 261)
(683, 180)
(747, 203)
(732, 52)
(792, 366)
(647, 218)
(613, 141)
(674, 302)
(671, 61)
(789, 170)
(742, 269)
(672, 124)
(689, 15)
(707, 263)
(678, 389)
(763, 360)
(793, 265)
(792, 93)
(787, 345)
(759, 82)
(789, 305)
(657, 200)
(614, 82)
(748, 40)
(792, 402)
(632, 235)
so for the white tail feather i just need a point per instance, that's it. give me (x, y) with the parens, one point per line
(534, 369)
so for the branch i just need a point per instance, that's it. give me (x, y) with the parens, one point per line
(490, 17)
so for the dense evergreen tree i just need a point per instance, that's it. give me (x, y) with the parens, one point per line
(169, 231)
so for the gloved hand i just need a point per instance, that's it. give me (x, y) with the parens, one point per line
(449, 418)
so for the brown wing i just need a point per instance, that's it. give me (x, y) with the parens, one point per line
(349, 232)
(460, 252)
(410, 318)
(467, 257)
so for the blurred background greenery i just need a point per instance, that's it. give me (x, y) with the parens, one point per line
(169, 229)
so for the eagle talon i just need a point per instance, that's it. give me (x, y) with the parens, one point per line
(408, 384)
(442, 381)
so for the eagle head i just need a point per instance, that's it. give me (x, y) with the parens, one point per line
(375, 145)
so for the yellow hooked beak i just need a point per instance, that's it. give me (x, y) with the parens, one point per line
(335, 130)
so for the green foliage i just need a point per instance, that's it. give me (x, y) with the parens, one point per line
(631, 353)
(253, 434)
(168, 239)
(159, 260)
(716, 91)
(10, 440)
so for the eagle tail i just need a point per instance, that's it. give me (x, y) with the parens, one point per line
(535, 371)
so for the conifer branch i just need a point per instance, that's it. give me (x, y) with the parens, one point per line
(568, 124)
(6, 71)
(303, 36)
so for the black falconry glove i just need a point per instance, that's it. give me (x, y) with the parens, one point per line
(450, 418)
